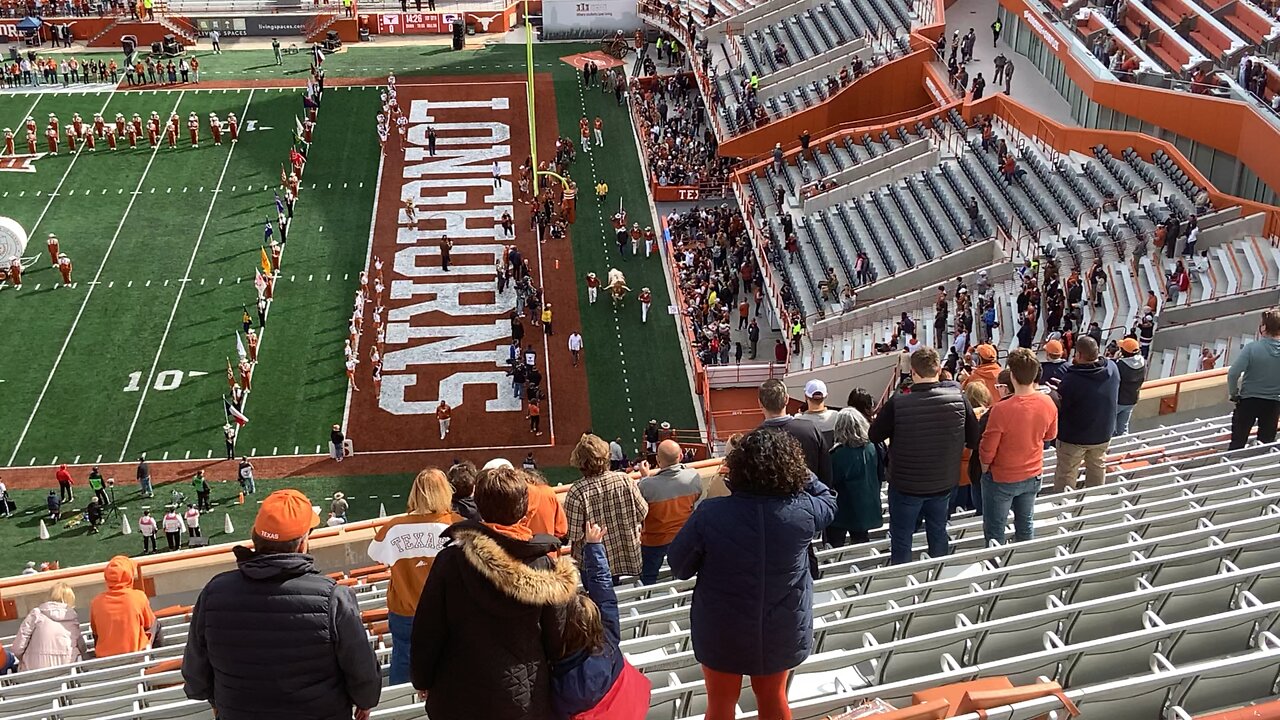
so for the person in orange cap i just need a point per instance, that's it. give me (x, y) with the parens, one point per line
(276, 622)
(121, 617)
(1133, 372)
(987, 369)
(1055, 362)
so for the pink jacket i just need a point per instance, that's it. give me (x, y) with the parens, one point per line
(48, 637)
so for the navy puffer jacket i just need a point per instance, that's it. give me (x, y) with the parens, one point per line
(753, 603)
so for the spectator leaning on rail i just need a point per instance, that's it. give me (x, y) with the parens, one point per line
(855, 478)
(1012, 451)
(408, 544)
(671, 493)
(1253, 383)
(772, 396)
(605, 497)
(491, 616)
(49, 635)
(274, 637)
(121, 617)
(752, 608)
(1086, 416)
(928, 428)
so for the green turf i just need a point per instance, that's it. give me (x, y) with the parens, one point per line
(77, 546)
(141, 319)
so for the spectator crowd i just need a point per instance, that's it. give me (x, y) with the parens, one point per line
(501, 600)
(675, 133)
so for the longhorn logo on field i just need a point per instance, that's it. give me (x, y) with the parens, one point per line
(20, 163)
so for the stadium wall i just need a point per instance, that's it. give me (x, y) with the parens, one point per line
(893, 91)
(1228, 140)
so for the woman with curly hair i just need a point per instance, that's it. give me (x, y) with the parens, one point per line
(753, 604)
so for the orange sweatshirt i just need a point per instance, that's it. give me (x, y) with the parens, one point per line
(121, 617)
(409, 545)
(1017, 429)
(546, 514)
(987, 374)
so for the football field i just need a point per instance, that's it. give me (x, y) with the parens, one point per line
(132, 356)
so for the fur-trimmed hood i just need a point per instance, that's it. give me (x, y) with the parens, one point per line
(512, 566)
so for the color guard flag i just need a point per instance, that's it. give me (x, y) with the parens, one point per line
(231, 375)
(259, 282)
(240, 346)
(266, 261)
(233, 413)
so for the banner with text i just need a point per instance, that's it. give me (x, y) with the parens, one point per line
(589, 18)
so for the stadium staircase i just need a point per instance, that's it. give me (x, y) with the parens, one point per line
(1154, 596)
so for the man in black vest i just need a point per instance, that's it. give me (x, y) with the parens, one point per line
(929, 426)
(274, 637)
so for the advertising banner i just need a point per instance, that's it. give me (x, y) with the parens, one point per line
(252, 25)
(588, 18)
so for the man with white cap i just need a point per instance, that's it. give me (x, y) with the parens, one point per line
(816, 410)
(772, 396)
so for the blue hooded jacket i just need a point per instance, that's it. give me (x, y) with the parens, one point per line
(581, 680)
(753, 604)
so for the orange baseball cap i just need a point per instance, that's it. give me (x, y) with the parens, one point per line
(1053, 348)
(1129, 345)
(285, 515)
(986, 352)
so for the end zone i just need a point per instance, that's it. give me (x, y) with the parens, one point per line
(446, 333)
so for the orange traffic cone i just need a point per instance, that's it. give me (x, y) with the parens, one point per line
(240, 500)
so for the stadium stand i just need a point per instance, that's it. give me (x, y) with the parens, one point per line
(1149, 593)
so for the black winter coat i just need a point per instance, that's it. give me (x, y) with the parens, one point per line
(489, 624)
(928, 428)
(816, 448)
(276, 639)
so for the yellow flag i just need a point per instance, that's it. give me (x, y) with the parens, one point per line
(266, 261)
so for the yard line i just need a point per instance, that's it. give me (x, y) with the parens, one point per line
(181, 288)
(27, 114)
(89, 294)
(368, 260)
(32, 232)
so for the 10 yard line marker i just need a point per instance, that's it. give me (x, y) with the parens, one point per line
(89, 294)
(181, 288)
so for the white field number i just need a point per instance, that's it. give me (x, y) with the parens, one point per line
(166, 380)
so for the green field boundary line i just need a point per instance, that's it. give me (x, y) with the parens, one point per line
(182, 286)
(368, 258)
(89, 293)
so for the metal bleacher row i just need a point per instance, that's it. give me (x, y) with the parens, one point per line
(922, 217)
(818, 39)
(1159, 589)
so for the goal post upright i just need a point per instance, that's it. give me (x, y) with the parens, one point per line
(530, 94)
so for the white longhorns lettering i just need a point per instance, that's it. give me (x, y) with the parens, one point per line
(445, 189)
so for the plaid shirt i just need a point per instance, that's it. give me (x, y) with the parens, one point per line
(612, 500)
